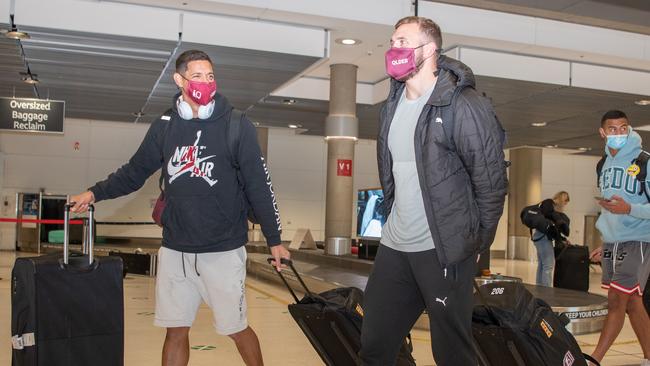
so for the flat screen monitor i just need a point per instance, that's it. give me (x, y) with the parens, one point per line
(370, 220)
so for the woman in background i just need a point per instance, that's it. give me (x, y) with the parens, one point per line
(544, 241)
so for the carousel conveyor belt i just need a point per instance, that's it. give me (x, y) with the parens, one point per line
(321, 272)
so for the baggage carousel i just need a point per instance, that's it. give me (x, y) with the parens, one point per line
(321, 272)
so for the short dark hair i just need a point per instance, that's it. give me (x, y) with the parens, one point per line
(612, 114)
(428, 27)
(189, 56)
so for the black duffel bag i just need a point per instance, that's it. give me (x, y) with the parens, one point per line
(513, 328)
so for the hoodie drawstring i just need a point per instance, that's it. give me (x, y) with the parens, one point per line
(614, 257)
(196, 266)
(641, 244)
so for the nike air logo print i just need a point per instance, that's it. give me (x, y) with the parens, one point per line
(188, 159)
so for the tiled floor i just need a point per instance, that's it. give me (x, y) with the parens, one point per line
(282, 341)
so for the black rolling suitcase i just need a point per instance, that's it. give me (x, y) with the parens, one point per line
(68, 310)
(513, 328)
(332, 322)
(571, 267)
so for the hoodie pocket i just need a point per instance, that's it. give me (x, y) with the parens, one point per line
(199, 220)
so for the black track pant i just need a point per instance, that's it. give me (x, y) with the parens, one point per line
(400, 287)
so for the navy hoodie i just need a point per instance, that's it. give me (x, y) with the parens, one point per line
(206, 205)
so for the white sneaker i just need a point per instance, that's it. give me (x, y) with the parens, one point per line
(645, 362)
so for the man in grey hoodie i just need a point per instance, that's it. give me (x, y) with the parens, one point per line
(624, 224)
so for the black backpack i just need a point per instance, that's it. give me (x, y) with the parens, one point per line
(533, 218)
(512, 327)
(233, 146)
(641, 161)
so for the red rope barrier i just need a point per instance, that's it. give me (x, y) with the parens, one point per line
(34, 221)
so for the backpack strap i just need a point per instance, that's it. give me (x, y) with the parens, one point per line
(166, 118)
(599, 169)
(642, 162)
(450, 117)
(233, 136)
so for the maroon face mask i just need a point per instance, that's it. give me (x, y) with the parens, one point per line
(400, 62)
(201, 92)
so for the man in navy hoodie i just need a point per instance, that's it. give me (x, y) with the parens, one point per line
(624, 224)
(205, 227)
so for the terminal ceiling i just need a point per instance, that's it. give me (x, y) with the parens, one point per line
(104, 77)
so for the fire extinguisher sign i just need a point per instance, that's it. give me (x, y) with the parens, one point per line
(344, 168)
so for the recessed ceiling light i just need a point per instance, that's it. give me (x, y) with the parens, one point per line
(347, 41)
(538, 124)
(288, 101)
(642, 102)
(294, 125)
(551, 146)
(584, 148)
(256, 124)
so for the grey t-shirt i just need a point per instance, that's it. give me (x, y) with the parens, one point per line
(406, 229)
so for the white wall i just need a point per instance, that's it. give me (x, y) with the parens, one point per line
(576, 174)
(51, 162)
(299, 170)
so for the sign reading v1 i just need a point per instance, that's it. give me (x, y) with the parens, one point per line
(32, 115)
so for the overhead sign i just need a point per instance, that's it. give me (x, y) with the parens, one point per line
(32, 115)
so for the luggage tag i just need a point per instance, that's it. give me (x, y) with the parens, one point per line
(25, 340)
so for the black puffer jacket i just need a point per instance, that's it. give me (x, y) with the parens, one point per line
(463, 190)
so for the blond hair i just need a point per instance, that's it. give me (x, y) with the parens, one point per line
(560, 198)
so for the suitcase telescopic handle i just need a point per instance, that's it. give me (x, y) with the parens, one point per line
(289, 262)
(89, 237)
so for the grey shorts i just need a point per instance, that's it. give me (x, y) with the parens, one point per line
(626, 266)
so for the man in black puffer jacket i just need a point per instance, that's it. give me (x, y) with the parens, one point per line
(442, 169)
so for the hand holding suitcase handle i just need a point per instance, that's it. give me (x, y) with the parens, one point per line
(289, 262)
(89, 239)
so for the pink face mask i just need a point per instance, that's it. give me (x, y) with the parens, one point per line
(400, 62)
(201, 92)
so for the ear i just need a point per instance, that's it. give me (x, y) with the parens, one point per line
(429, 49)
(602, 133)
(178, 79)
